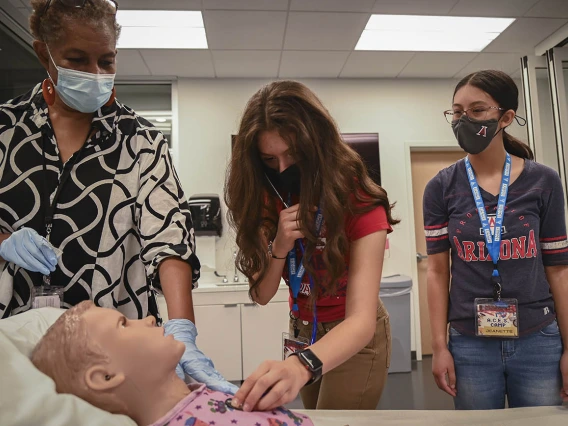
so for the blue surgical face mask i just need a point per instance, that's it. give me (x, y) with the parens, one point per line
(82, 91)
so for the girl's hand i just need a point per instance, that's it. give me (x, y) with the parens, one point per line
(444, 371)
(288, 231)
(564, 371)
(273, 384)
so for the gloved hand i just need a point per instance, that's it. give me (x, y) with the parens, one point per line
(194, 363)
(29, 250)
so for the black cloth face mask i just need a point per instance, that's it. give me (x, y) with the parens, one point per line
(288, 181)
(475, 136)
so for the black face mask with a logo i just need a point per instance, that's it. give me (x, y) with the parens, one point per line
(288, 181)
(475, 136)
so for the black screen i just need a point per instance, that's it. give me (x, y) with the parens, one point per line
(367, 146)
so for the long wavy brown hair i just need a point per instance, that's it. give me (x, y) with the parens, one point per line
(333, 177)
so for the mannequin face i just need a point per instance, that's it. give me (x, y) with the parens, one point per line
(137, 350)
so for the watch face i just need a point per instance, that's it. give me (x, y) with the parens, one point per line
(311, 360)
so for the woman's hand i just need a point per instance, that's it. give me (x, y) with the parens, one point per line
(273, 384)
(288, 231)
(29, 250)
(193, 362)
(444, 371)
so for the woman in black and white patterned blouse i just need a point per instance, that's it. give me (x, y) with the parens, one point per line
(88, 174)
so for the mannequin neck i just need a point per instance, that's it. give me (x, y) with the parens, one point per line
(146, 404)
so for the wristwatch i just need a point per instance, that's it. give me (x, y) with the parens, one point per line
(272, 254)
(312, 364)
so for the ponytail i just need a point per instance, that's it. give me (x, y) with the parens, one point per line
(516, 147)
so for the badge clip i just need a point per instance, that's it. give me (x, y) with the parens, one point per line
(496, 279)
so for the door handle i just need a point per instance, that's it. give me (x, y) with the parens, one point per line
(420, 257)
(231, 305)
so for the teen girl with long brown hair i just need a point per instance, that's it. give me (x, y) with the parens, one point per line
(299, 197)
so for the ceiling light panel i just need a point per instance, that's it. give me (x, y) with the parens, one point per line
(430, 33)
(161, 29)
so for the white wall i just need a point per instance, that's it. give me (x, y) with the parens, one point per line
(399, 111)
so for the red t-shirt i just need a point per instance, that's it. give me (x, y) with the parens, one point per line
(332, 308)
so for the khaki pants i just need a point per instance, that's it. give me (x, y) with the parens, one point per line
(358, 383)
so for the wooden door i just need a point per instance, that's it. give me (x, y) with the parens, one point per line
(424, 166)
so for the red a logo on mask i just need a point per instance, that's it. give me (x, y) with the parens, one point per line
(482, 132)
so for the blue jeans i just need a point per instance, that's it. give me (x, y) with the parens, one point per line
(525, 370)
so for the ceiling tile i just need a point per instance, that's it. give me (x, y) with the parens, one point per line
(493, 8)
(246, 63)
(129, 62)
(524, 34)
(244, 30)
(246, 4)
(17, 12)
(414, 7)
(324, 31)
(549, 9)
(25, 12)
(507, 62)
(332, 5)
(375, 64)
(179, 62)
(436, 64)
(160, 5)
(301, 64)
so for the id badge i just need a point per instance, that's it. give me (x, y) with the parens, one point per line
(497, 318)
(47, 296)
(291, 345)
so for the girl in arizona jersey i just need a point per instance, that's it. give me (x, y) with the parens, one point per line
(299, 198)
(500, 191)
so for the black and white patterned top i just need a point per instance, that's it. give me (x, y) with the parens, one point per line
(120, 213)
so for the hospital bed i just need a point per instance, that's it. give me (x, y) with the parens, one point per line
(27, 397)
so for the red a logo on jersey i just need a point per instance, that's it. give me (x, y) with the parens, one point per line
(482, 132)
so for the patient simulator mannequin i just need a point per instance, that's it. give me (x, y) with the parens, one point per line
(128, 367)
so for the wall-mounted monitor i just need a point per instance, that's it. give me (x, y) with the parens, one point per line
(367, 146)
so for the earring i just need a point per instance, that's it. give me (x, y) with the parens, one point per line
(112, 98)
(48, 91)
(107, 377)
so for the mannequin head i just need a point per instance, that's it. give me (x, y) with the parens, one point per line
(102, 357)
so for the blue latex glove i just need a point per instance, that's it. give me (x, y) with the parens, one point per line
(29, 250)
(194, 363)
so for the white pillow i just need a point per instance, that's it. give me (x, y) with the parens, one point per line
(27, 396)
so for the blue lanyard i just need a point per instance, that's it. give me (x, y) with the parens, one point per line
(493, 241)
(297, 273)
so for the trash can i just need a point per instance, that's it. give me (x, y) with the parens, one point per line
(395, 294)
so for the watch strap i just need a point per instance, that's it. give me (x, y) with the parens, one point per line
(316, 372)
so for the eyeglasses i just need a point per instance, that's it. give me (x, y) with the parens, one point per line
(477, 113)
(78, 4)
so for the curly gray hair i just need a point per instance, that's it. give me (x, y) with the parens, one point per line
(50, 26)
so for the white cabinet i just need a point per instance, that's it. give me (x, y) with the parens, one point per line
(219, 328)
(236, 334)
(262, 328)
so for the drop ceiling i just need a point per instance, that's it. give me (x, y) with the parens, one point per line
(316, 38)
